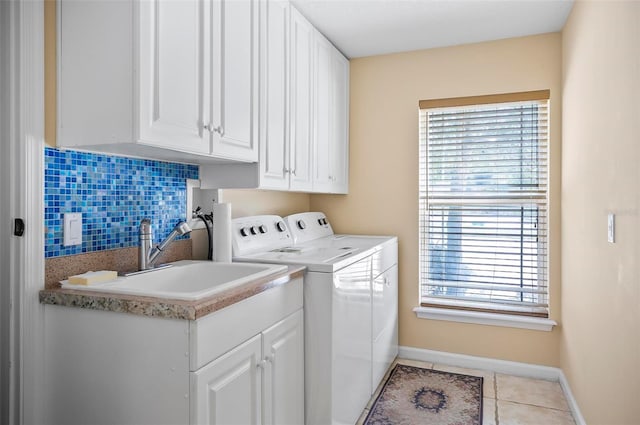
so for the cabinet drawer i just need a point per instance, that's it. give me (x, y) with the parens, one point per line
(219, 332)
(386, 257)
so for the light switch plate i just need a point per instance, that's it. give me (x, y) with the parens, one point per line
(72, 229)
(611, 228)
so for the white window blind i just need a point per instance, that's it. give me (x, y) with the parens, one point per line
(483, 203)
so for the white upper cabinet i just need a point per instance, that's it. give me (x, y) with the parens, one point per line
(285, 101)
(173, 76)
(164, 79)
(339, 113)
(274, 91)
(234, 103)
(301, 116)
(322, 134)
(304, 83)
(331, 112)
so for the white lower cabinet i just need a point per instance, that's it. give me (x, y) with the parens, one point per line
(228, 390)
(259, 382)
(283, 372)
(242, 364)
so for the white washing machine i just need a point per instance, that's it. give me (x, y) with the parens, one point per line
(350, 306)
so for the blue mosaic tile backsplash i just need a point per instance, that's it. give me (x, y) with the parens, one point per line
(113, 194)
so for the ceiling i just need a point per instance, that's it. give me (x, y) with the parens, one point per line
(375, 27)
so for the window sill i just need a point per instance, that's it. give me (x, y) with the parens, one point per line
(482, 318)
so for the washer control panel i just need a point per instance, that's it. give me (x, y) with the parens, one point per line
(308, 226)
(259, 233)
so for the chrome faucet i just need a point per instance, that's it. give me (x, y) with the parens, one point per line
(148, 254)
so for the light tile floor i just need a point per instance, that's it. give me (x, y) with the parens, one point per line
(508, 400)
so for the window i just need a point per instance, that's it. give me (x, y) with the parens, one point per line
(483, 203)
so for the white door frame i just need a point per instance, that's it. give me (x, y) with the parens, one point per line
(23, 167)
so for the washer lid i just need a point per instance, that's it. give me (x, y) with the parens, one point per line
(320, 259)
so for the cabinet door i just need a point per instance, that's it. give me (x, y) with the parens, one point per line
(172, 76)
(322, 113)
(274, 94)
(283, 394)
(339, 141)
(234, 118)
(228, 390)
(385, 323)
(301, 83)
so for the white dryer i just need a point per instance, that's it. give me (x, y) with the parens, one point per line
(350, 306)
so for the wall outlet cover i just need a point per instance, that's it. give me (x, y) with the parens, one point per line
(611, 228)
(72, 229)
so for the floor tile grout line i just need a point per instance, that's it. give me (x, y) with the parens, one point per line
(537, 405)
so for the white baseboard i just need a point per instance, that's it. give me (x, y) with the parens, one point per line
(501, 366)
(573, 404)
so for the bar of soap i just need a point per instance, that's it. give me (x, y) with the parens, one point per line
(91, 278)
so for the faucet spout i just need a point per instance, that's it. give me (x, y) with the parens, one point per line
(148, 254)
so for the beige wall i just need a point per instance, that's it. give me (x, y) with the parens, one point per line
(246, 202)
(252, 202)
(383, 192)
(600, 343)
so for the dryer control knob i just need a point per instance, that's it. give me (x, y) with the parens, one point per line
(320, 221)
(324, 221)
(280, 226)
(263, 228)
(301, 224)
(254, 230)
(244, 231)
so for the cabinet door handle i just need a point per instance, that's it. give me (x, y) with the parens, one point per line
(293, 171)
(286, 170)
(261, 364)
(211, 129)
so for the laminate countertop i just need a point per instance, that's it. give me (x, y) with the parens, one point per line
(164, 307)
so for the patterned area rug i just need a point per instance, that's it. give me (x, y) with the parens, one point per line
(414, 395)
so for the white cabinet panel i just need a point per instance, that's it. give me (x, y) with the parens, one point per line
(235, 85)
(331, 128)
(322, 108)
(339, 113)
(228, 389)
(274, 89)
(95, 84)
(301, 105)
(283, 350)
(172, 80)
(286, 98)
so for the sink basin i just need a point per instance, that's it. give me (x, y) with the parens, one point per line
(186, 280)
